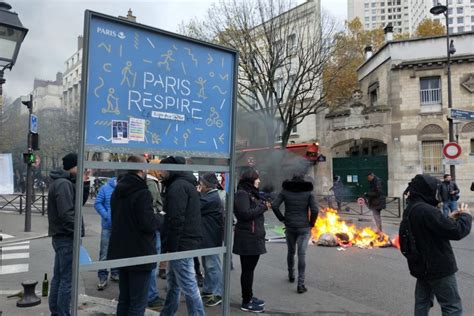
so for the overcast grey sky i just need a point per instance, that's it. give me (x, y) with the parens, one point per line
(55, 24)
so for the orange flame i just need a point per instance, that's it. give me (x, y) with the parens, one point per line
(329, 222)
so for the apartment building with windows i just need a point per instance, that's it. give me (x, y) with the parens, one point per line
(72, 79)
(397, 121)
(406, 15)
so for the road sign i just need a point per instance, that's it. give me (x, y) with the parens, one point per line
(33, 124)
(452, 150)
(452, 162)
(361, 201)
(153, 91)
(457, 114)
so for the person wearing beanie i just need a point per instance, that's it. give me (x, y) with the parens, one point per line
(212, 220)
(181, 231)
(435, 266)
(61, 213)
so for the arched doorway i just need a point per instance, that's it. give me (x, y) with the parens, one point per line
(354, 159)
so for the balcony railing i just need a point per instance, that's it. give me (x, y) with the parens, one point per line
(430, 96)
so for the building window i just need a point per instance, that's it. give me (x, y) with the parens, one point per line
(472, 17)
(373, 94)
(451, 30)
(366, 5)
(472, 146)
(460, 10)
(460, 20)
(292, 43)
(450, 20)
(461, 29)
(430, 90)
(432, 152)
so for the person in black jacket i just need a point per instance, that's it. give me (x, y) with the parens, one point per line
(212, 212)
(249, 235)
(298, 196)
(61, 213)
(376, 199)
(449, 193)
(134, 226)
(435, 268)
(181, 232)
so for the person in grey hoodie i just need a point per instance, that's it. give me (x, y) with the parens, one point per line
(102, 206)
(61, 212)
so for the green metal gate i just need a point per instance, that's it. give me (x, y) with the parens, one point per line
(353, 172)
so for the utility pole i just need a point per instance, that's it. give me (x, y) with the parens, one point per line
(29, 159)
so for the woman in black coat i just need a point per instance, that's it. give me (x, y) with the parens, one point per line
(249, 236)
(301, 212)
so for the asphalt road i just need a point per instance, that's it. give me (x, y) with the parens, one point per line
(351, 282)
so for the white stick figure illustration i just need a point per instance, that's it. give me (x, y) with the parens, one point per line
(126, 73)
(112, 101)
(214, 119)
(168, 57)
(201, 82)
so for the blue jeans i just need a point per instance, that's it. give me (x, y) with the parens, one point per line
(60, 293)
(153, 292)
(449, 207)
(212, 274)
(133, 286)
(446, 292)
(297, 237)
(103, 274)
(181, 276)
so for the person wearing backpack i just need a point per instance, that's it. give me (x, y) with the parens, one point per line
(425, 235)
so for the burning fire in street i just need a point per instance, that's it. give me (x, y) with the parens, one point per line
(346, 235)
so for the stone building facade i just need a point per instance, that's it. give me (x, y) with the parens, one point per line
(399, 115)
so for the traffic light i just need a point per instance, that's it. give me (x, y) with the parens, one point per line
(29, 158)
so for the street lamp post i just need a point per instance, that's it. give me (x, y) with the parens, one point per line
(436, 10)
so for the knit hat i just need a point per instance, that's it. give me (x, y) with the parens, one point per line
(177, 160)
(209, 179)
(69, 161)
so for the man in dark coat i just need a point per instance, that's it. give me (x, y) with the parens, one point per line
(212, 212)
(181, 232)
(298, 196)
(61, 213)
(449, 193)
(376, 199)
(134, 225)
(432, 231)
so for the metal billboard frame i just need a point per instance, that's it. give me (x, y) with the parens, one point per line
(82, 164)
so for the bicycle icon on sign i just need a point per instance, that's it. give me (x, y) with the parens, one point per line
(214, 119)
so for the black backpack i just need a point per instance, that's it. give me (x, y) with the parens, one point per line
(407, 240)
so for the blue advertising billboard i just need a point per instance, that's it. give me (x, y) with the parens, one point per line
(150, 90)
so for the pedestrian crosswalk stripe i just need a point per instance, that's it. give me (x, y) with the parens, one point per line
(11, 256)
(13, 248)
(6, 236)
(13, 268)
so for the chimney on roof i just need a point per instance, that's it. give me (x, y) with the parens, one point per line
(368, 52)
(80, 42)
(130, 16)
(388, 30)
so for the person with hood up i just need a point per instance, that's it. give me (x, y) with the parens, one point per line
(249, 235)
(102, 206)
(376, 199)
(181, 232)
(61, 213)
(298, 197)
(212, 218)
(435, 268)
(134, 226)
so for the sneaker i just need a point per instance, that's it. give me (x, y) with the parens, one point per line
(114, 277)
(257, 301)
(101, 285)
(251, 307)
(301, 289)
(205, 295)
(214, 300)
(291, 276)
(162, 274)
(156, 303)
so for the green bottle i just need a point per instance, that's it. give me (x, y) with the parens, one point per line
(44, 291)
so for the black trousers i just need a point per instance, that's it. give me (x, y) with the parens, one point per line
(248, 264)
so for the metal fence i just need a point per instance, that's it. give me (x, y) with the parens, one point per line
(17, 202)
(351, 204)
